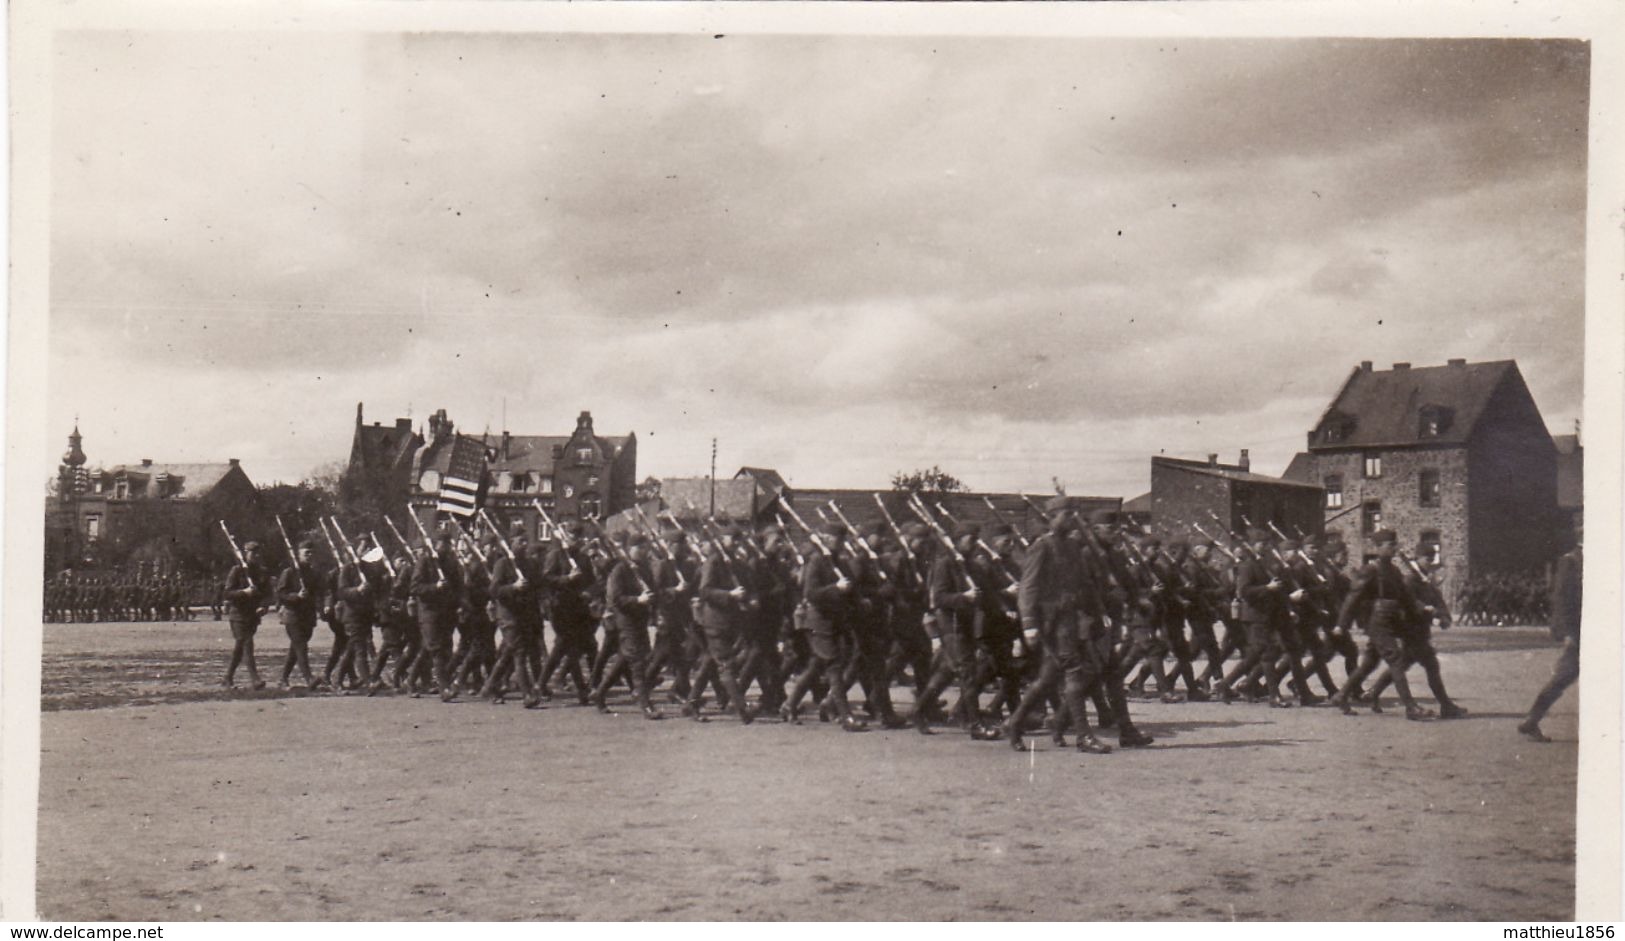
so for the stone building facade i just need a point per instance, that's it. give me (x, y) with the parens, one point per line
(1456, 459)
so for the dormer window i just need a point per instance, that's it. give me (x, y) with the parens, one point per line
(121, 488)
(160, 486)
(1337, 427)
(584, 455)
(1433, 421)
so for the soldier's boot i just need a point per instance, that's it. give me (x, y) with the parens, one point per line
(1448, 709)
(1300, 676)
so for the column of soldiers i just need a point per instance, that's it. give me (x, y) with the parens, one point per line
(1024, 631)
(140, 594)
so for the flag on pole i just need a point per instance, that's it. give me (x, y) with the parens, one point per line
(459, 489)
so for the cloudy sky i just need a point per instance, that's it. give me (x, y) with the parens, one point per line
(841, 256)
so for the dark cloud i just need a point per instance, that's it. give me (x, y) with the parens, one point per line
(969, 233)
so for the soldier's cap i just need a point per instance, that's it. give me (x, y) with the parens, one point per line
(516, 530)
(619, 538)
(1151, 542)
(307, 544)
(1058, 503)
(1254, 534)
(374, 554)
(971, 530)
(874, 531)
(1103, 517)
(835, 529)
(1384, 536)
(1001, 529)
(917, 531)
(1174, 545)
(1289, 545)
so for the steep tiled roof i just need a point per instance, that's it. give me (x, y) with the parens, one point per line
(1383, 408)
(185, 480)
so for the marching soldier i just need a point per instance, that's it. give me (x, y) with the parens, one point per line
(825, 595)
(298, 591)
(628, 600)
(436, 584)
(1565, 613)
(515, 592)
(245, 590)
(1262, 594)
(568, 583)
(1383, 603)
(956, 600)
(725, 600)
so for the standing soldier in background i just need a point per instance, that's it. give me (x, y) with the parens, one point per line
(245, 589)
(1565, 608)
(298, 591)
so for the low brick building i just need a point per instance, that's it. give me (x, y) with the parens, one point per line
(1189, 498)
(1456, 459)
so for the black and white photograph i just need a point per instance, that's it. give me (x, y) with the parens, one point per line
(699, 466)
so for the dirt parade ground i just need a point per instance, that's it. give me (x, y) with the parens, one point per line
(165, 797)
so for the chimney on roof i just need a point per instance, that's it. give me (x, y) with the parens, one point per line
(146, 462)
(1401, 367)
(403, 424)
(1365, 365)
(505, 439)
(1458, 362)
(1213, 460)
(232, 461)
(1245, 463)
(358, 421)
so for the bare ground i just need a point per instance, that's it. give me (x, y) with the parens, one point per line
(164, 797)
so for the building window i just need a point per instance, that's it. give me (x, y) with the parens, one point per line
(121, 489)
(1428, 481)
(1373, 466)
(521, 483)
(1433, 421)
(1428, 548)
(96, 485)
(1371, 518)
(592, 481)
(584, 455)
(547, 485)
(589, 507)
(93, 527)
(1334, 491)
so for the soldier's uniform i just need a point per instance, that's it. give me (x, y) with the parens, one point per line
(568, 584)
(725, 599)
(515, 595)
(1053, 618)
(1385, 606)
(477, 653)
(299, 592)
(245, 589)
(628, 603)
(1565, 608)
(1263, 616)
(436, 585)
(825, 590)
(956, 602)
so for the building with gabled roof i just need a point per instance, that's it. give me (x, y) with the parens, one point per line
(1456, 459)
(582, 475)
(163, 513)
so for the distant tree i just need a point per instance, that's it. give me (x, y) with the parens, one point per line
(935, 480)
(1059, 485)
(648, 490)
